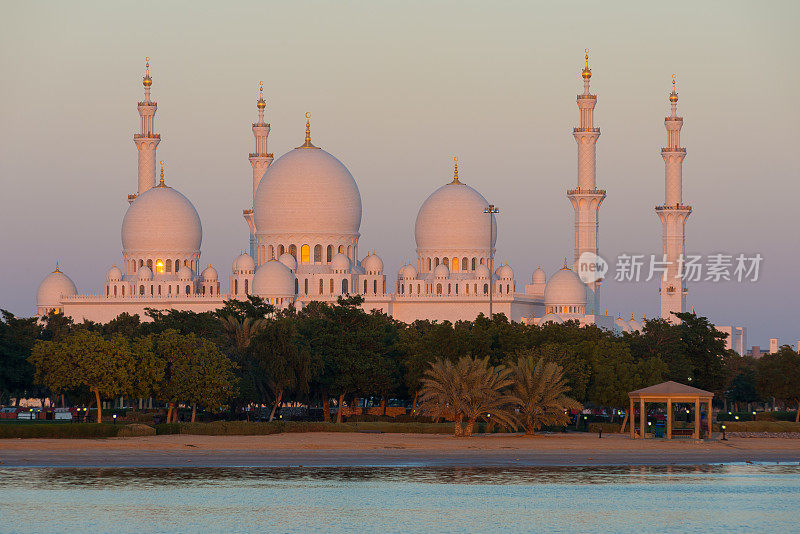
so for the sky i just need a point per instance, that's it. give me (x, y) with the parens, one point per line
(396, 89)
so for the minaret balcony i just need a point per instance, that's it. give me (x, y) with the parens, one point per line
(262, 155)
(260, 125)
(580, 191)
(673, 149)
(247, 212)
(673, 119)
(675, 207)
(147, 104)
(147, 136)
(587, 97)
(587, 130)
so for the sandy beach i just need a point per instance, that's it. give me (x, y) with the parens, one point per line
(357, 449)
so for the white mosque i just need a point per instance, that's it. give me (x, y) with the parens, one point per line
(304, 227)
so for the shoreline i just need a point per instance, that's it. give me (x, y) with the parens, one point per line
(388, 450)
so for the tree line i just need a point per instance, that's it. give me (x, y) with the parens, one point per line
(330, 354)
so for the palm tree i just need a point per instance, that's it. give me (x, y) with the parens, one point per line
(242, 332)
(470, 389)
(539, 394)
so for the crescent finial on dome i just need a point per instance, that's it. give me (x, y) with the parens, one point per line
(673, 96)
(147, 81)
(161, 183)
(261, 104)
(564, 268)
(587, 72)
(57, 269)
(455, 171)
(308, 143)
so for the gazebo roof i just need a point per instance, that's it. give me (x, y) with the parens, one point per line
(670, 389)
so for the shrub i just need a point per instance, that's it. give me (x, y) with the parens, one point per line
(247, 428)
(135, 430)
(404, 428)
(759, 426)
(59, 430)
(607, 428)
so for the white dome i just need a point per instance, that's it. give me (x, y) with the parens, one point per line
(289, 261)
(635, 325)
(505, 272)
(114, 274)
(407, 272)
(243, 263)
(55, 286)
(209, 274)
(482, 272)
(372, 264)
(622, 325)
(307, 191)
(441, 271)
(452, 218)
(340, 262)
(144, 273)
(538, 276)
(565, 288)
(274, 279)
(161, 220)
(185, 273)
(551, 318)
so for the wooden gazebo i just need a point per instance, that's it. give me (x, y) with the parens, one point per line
(669, 392)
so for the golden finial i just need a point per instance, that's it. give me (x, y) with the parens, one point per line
(564, 268)
(147, 81)
(261, 104)
(57, 269)
(161, 183)
(587, 72)
(308, 144)
(455, 171)
(619, 315)
(631, 316)
(673, 96)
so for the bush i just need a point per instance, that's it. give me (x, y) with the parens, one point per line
(367, 418)
(135, 430)
(758, 426)
(404, 428)
(246, 428)
(60, 430)
(607, 428)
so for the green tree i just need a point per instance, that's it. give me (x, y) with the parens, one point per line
(84, 358)
(17, 338)
(539, 391)
(705, 350)
(778, 376)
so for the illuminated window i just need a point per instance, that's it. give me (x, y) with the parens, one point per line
(159, 266)
(305, 254)
(455, 264)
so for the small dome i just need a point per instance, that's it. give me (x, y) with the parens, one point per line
(622, 325)
(114, 274)
(565, 288)
(209, 274)
(538, 276)
(185, 273)
(482, 272)
(289, 261)
(161, 220)
(505, 272)
(407, 272)
(55, 286)
(452, 218)
(243, 263)
(372, 264)
(274, 279)
(441, 271)
(144, 273)
(307, 191)
(635, 325)
(340, 262)
(551, 318)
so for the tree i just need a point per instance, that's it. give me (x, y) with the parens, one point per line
(17, 338)
(705, 350)
(84, 358)
(539, 393)
(778, 375)
(471, 388)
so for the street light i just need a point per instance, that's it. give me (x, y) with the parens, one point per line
(491, 210)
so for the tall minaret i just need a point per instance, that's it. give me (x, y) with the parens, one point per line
(259, 160)
(673, 214)
(146, 140)
(586, 199)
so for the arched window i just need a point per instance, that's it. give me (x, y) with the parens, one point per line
(169, 266)
(271, 251)
(365, 287)
(159, 266)
(507, 288)
(329, 253)
(293, 250)
(340, 250)
(305, 286)
(481, 261)
(305, 254)
(456, 289)
(123, 291)
(115, 291)
(419, 286)
(466, 286)
(375, 287)
(344, 286)
(246, 289)
(108, 289)
(159, 290)
(331, 285)
(475, 288)
(429, 264)
(402, 289)
(350, 252)
(473, 264)
(438, 289)
(449, 286)
(464, 264)
(446, 262)
(321, 286)
(141, 263)
(150, 264)
(296, 286)
(236, 287)
(204, 290)
(281, 251)
(141, 290)
(455, 264)
(485, 289)
(436, 262)
(318, 254)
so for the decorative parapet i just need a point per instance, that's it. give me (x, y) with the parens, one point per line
(676, 207)
(147, 136)
(262, 156)
(247, 212)
(587, 97)
(673, 119)
(586, 130)
(674, 149)
(261, 125)
(580, 191)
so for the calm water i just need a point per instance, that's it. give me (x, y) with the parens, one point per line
(732, 498)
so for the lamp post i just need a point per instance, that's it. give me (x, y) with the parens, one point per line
(491, 210)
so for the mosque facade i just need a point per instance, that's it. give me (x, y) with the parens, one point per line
(304, 228)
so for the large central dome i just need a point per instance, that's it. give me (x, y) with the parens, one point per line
(452, 218)
(307, 191)
(161, 220)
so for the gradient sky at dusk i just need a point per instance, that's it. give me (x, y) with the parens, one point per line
(395, 90)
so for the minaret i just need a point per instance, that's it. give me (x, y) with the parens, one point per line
(259, 160)
(673, 214)
(146, 140)
(586, 199)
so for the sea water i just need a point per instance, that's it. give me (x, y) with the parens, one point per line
(716, 498)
